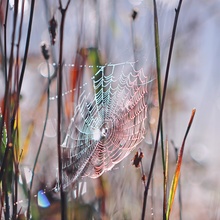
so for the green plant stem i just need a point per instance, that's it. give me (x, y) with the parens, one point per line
(59, 110)
(157, 51)
(6, 96)
(6, 119)
(161, 109)
(158, 64)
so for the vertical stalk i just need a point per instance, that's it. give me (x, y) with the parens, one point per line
(7, 210)
(6, 97)
(6, 118)
(157, 51)
(5, 42)
(158, 64)
(16, 163)
(26, 46)
(59, 109)
(161, 110)
(5, 55)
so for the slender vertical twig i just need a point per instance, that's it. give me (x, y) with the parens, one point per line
(5, 41)
(5, 63)
(16, 163)
(7, 97)
(25, 58)
(6, 118)
(52, 52)
(158, 64)
(4, 60)
(27, 45)
(9, 81)
(59, 108)
(161, 109)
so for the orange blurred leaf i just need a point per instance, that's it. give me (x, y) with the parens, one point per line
(75, 73)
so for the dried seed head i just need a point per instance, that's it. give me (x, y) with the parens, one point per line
(45, 51)
(52, 30)
(137, 159)
(134, 14)
(144, 178)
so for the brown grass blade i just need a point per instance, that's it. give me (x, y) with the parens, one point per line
(178, 167)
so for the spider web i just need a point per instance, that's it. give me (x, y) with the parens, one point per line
(108, 122)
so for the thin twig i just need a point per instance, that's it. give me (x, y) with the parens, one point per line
(158, 64)
(59, 109)
(6, 162)
(5, 55)
(16, 163)
(161, 110)
(27, 45)
(6, 97)
(5, 40)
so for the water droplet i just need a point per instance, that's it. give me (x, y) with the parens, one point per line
(43, 69)
(199, 152)
(27, 172)
(25, 214)
(51, 129)
(56, 189)
(42, 199)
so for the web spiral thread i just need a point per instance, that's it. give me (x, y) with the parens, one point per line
(108, 123)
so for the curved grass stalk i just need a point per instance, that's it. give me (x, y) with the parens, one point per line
(158, 65)
(41, 141)
(176, 176)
